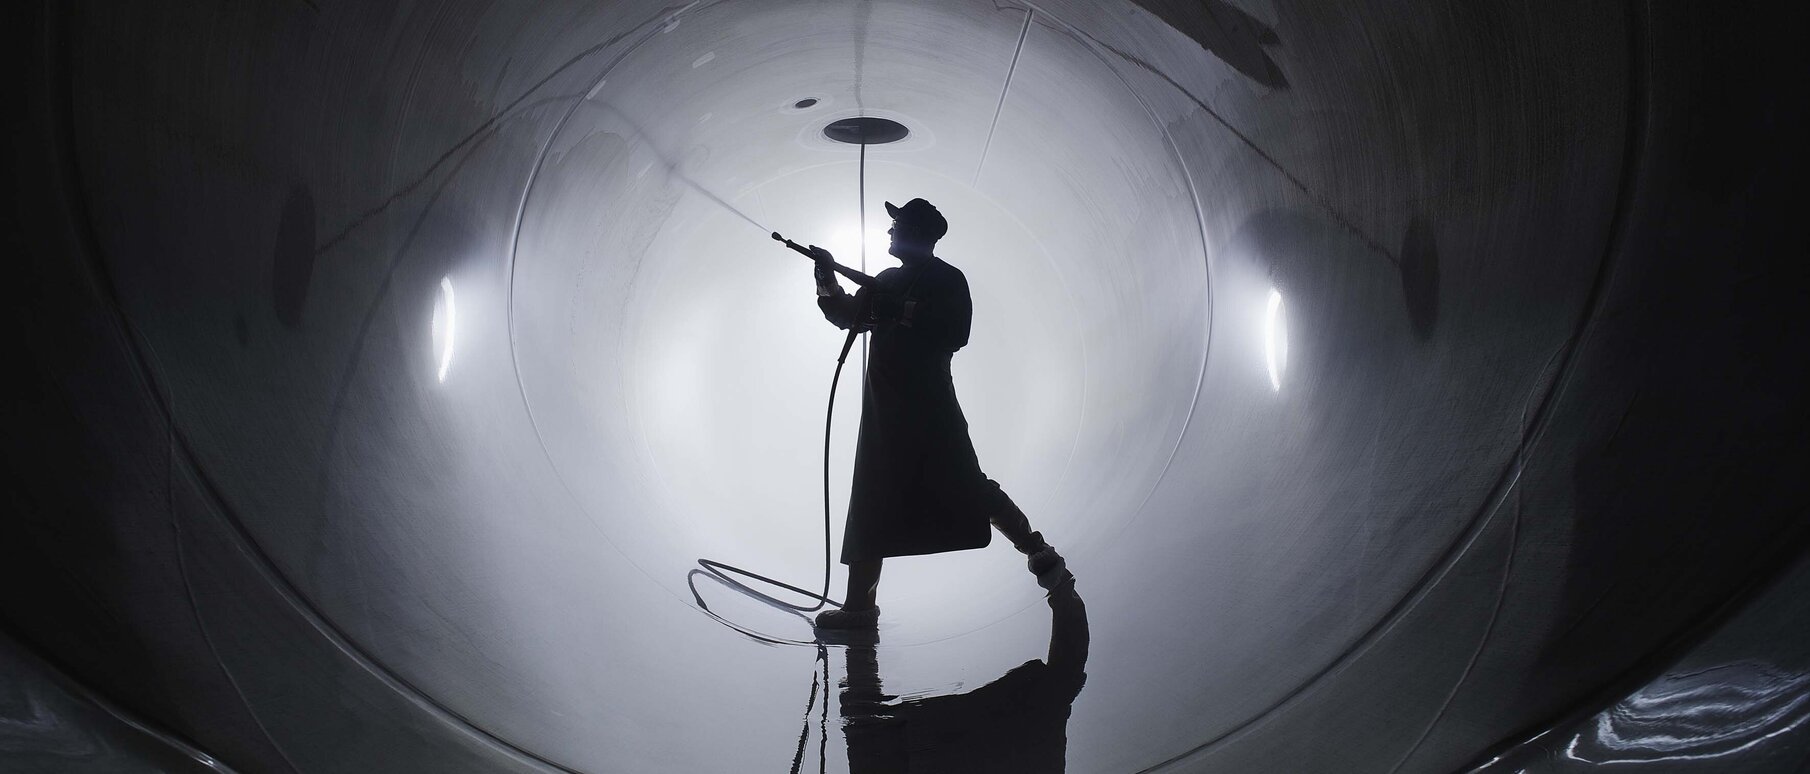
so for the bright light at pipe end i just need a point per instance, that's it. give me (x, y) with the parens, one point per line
(846, 244)
(443, 326)
(1275, 339)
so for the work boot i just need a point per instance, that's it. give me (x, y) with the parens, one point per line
(849, 619)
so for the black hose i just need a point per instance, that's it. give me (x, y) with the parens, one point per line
(720, 569)
(829, 422)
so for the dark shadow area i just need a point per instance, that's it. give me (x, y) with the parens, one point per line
(1420, 277)
(50, 723)
(1234, 36)
(1726, 434)
(292, 265)
(1017, 723)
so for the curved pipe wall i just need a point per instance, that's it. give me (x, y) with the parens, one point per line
(1399, 381)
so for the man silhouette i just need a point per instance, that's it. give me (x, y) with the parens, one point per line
(918, 487)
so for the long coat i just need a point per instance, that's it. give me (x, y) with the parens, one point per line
(918, 487)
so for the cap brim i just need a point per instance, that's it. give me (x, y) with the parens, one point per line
(892, 210)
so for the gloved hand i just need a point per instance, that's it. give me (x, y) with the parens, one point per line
(824, 260)
(824, 272)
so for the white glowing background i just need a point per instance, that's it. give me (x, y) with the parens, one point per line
(678, 366)
(846, 244)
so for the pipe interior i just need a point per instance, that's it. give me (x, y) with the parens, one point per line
(468, 341)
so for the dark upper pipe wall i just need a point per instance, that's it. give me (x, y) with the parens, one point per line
(385, 368)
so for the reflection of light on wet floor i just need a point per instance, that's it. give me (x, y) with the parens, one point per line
(1275, 338)
(1698, 716)
(443, 326)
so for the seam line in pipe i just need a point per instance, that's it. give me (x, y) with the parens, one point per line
(1003, 90)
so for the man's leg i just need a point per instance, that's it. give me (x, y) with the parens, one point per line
(1011, 522)
(1049, 567)
(863, 585)
(858, 610)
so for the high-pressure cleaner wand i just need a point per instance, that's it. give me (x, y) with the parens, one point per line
(853, 275)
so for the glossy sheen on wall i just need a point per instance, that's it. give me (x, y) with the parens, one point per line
(1401, 381)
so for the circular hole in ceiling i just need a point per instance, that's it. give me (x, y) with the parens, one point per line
(805, 103)
(866, 130)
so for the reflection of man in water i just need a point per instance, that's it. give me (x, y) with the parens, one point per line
(1018, 723)
(918, 486)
